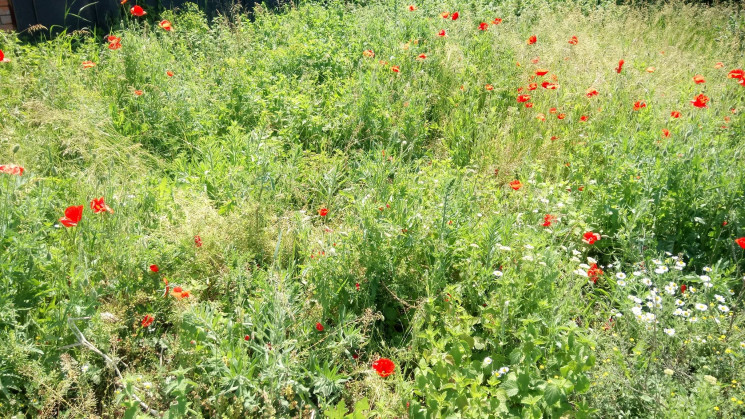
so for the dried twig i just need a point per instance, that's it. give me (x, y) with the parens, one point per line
(82, 341)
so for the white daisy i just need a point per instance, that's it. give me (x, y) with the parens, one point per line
(719, 298)
(701, 307)
(621, 283)
(621, 275)
(661, 269)
(670, 332)
(723, 308)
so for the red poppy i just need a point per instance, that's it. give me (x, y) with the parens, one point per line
(741, 242)
(166, 25)
(620, 66)
(88, 64)
(541, 72)
(2, 57)
(541, 117)
(147, 320)
(532, 86)
(548, 219)
(736, 74)
(319, 327)
(72, 217)
(573, 40)
(247, 338)
(169, 73)
(442, 33)
(516, 185)
(700, 101)
(12, 169)
(683, 289)
(665, 133)
(496, 21)
(532, 40)
(197, 241)
(357, 286)
(412, 8)
(455, 16)
(154, 268)
(98, 206)
(115, 44)
(445, 15)
(639, 104)
(483, 26)
(719, 65)
(590, 237)
(594, 272)
(535, 60)
(384, 367)
(489, 87)
(122, 2)
(590, 92)
(698, 79)
(323, 212)
(549, 85)
(552, 110)
(561, 115)
(675, 114)
(421, 57)
(177, 290)
(137, 11)
(523, 98)
(395, 69)
(528, 105)
(583, 118)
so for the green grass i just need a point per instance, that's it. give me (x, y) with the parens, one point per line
(426, 256)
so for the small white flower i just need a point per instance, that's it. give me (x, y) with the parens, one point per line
(636, 310)
(661, 269)
(742, 345)
(591, 260)
(705, 278)
(723, 308)
(657, 261)
(679, 302)
(85, 368)
(678, 312)
(584, 266)
(686, 313)
(731, 292)
(505, 248)
(707, 269)
(708, 285)
(646, 281)
(670, 288)
(621, 275)
(487, 361)
(719, 298)
(529, 246)
(148, 385)
(621, 283)
(670, 332)
(502, 371)
(528, 258)
(694, 319)
(498, 274)
(701, 307)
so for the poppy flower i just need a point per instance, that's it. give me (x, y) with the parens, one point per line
(583, 118)
(516, 185)
(445, 15)
(323, 212)
(384, 367)
(319, 327)
(620, 66)
(165, 25)
(719, 65)
(137, 11)
(698, 79)
(700, 101)
(549, 85)
(396, 69)
(455, 16)
(147, 320)
(2, 57)
(532, 86)
(541, 72)
(357, 286)
(523, 98)
(169, 73)
(442, 33)
(138, 92)
(115, 42)
(72, 217)
(675, 114)
(496, 21)
(590, 237)
(197, 241)
(573, 40)
(122, 2)
(154, 268)
(594, 272)
(528, 105)
(561, 115)
(736, 74)
(88, 64)
(12, 169)
(552, 110)
(98, 206)
(412, 8)
(483, 26)
(639, 104)
(741, 242)
(554, 138)
(421, 57)
(177, 290)
(541, 117)
(590, 92)
(665, 133)
(683, 289)
(489, 87)
(247, 338)
(651, 69)
(548, 219)
(535, 60)
(532, 40)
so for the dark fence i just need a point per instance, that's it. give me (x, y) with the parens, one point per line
(57, 15)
